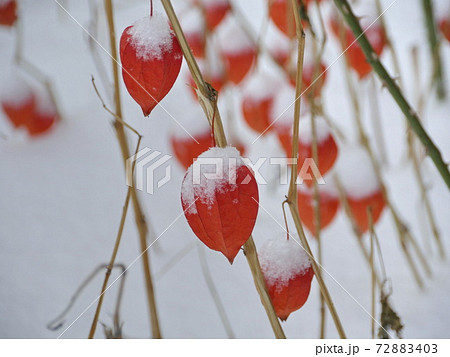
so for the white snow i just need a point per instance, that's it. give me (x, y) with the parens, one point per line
(193, 21)
(44, 103)
(151, 36)
(77, 175)
(261, 86)
(367, 12)
(232, 38)
(441, 9)
(277, 42)
(15, 90)
(282, 259)
(192, 124)
(306, 133)
(211, 3)
(356, 172)
(282, 111)
(209, 174)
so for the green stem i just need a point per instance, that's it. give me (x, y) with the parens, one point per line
(438, 76)
(396, 93)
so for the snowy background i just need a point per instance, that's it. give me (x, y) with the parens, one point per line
(61, 198)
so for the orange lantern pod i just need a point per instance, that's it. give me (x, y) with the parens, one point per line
(282, 15)
(359, 206)
(186, 149)
(151, 60)
(8, 12)
(257, 99)
(215, 11)
(237, 50)
(193, 25)
(288, 274)
(361, 185)
(328, 208)
(43, 117)
(17, 100)
(220, 202)
(354, 54)
(444, 26)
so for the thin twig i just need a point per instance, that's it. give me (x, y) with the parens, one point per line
(372, 268)
(139, 216)
(59, 321)
(110, 265)
(437, 75)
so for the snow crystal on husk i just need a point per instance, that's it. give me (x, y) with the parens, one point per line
(151, 36)
(205, 188)
(282, 259)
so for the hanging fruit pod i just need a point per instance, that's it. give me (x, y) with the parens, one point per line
(361, 186)
(258, 96)
(328, 208)
(43, 117)
(279, 46)
(282, 15)
(353, 52)
(187, 146)
(314, 73)
(288, 274)
(214, 11)
(212, 69)
(327, 149)
(360, 205)
(444, 26)
(151, 60)
(193, 25)
(237, 50)
(8, 12)
(17, 100)
(220, 198)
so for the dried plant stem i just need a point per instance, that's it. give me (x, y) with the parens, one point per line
(121, 226)
(139, 216)
(207, 97)
(437, 75)
(315, 155)
(372, 268)
(32, 70)
(417, 164)
(376, 122)
(396, 93)
(424, 197)
(318, 222)
(58, 322)
(213, 291)
(110, 265)
(292, 198)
